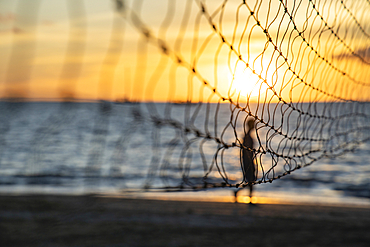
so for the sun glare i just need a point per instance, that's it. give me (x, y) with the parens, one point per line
(246, 83)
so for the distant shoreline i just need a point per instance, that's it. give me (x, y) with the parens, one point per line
(226, 196)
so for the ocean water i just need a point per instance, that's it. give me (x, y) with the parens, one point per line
(115, 149)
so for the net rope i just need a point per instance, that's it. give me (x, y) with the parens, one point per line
(299, 146)
(298, 69)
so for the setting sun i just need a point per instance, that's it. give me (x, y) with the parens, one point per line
(245, 83)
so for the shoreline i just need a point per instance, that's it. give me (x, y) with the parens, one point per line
(261, 197)
(37, 220)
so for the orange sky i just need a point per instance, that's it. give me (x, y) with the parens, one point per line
(88, 50)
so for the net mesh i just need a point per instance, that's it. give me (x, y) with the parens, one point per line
(189, 75)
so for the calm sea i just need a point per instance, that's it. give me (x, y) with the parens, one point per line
(116, 149)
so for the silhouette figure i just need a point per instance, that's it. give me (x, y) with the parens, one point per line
(249, 168)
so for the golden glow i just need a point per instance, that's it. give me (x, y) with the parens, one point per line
(260, 200)
(99, 54)
(196, 197)
(245, 83)
(244, 199)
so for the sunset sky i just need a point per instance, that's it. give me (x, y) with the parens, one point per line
(96, 49)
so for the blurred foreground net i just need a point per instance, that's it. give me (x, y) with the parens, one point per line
(299, 69)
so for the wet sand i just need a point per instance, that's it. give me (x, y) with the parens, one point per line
(96, 221)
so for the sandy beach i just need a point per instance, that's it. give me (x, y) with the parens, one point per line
(41, 220)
